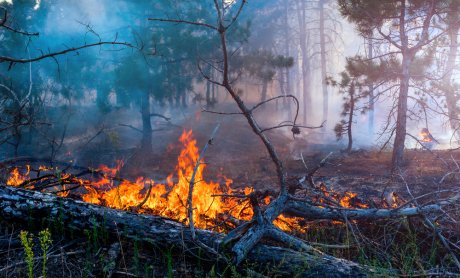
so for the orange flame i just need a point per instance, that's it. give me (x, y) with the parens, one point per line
(16, 178)
(350, 200)
(211, 200)
(170, 200)
(426, 136)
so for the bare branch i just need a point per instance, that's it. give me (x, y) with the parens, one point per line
(181, 21)
(13, 60)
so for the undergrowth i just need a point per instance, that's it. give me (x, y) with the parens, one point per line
(392, 248)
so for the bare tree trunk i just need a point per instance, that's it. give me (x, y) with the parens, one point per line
(146, 143)
(451, 99)
(350, 117)
(287, 40)
(214, 88)
(305, 61)
(183, 98)
(263, 96)
(208, 89)
(322, 37)
(370, 55)
(401, 119)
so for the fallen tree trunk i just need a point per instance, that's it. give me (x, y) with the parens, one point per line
(30, 206)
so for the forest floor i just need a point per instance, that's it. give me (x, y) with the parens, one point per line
(236, 154)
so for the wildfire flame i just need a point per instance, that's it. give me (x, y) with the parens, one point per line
(426, 137)
(16, 178)
(211, 200)
(350, 200)
(170, 199)
(346, 200)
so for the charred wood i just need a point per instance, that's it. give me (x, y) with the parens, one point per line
(30, 206)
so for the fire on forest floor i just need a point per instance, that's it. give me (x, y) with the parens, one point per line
(347, 180)
(214, 202)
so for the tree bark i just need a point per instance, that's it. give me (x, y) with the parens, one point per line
(34, 207)
(263, 96)
(287, 54)
(371, 91)
(350, 117)
(146, 143)
(451, 100)
(322, 37)
(401, 118)
(305, 61)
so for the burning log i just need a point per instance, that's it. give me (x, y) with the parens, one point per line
(31, 206)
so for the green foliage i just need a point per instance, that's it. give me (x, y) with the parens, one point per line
(351, 88)
(369, 14)
(212, 272)
(340, 129)
(261, 64)
(45, 240)
(45, 243)
(136, 258)
(169, 262)
(28, 244)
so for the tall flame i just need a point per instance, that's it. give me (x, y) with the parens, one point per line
(16, 178)
(170, 199)
(211, 200)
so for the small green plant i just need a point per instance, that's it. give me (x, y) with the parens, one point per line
(212, 272)
(169, 263)
(88, 264)
(28, 244)
(136, 258)
(234, 272)
(45, 243)
(149, 271)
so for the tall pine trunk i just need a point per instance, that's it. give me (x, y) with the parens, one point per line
(305, 61)
(350, 117)
(371, 92)
(263, 96)
(146, 143)
(287, 54)
(451, 99)
(401, 119)
(322, 37)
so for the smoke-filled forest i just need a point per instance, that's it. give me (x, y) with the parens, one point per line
(229, 138)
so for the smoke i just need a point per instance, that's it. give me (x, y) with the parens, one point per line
(91, 75)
